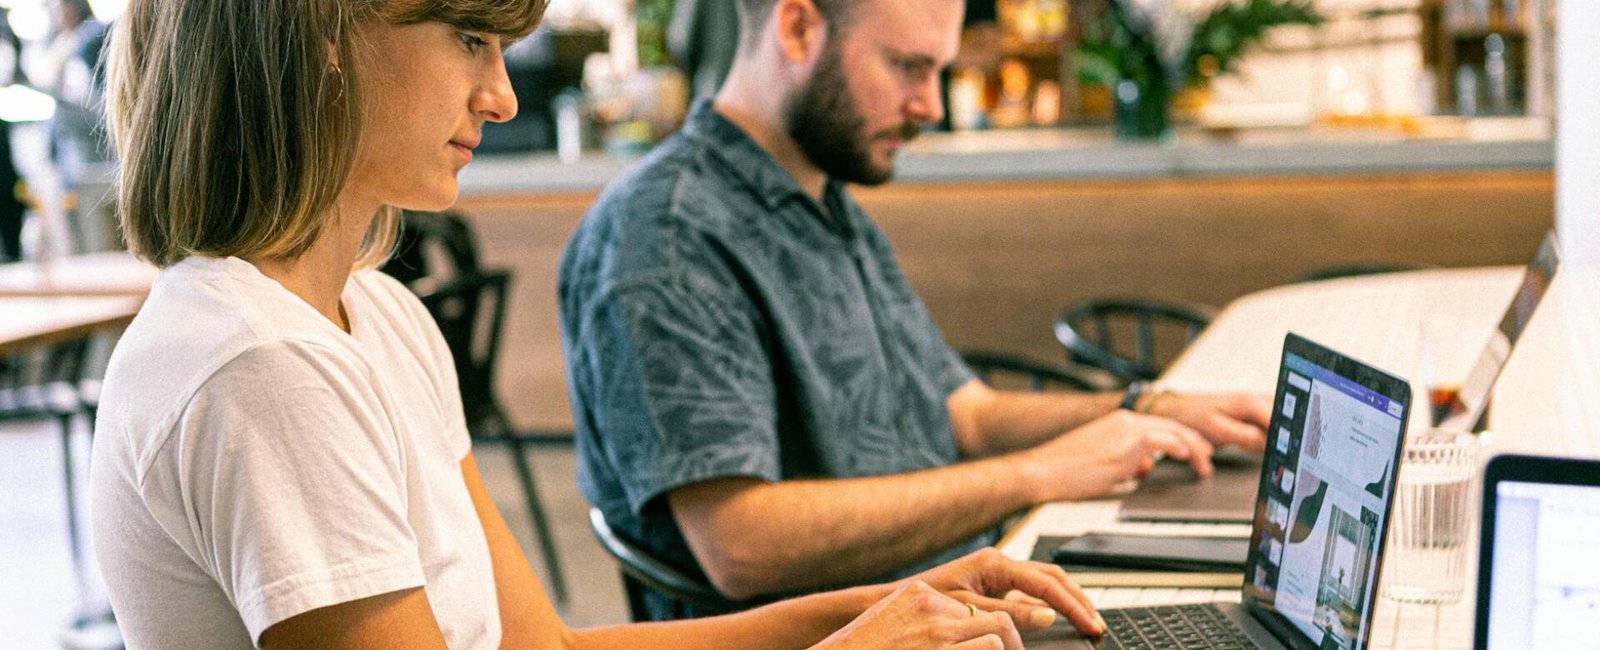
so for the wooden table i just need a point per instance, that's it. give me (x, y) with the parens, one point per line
(29, 322)
(1544, 402)
(112, 273)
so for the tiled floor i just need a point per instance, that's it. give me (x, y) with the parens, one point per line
(39, 593)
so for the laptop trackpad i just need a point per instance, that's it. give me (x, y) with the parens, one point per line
(1061, 636)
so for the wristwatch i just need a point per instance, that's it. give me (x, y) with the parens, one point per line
(1130, 399)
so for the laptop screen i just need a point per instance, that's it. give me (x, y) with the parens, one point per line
(1325, 494)
(1462, 408)
(1541, 587)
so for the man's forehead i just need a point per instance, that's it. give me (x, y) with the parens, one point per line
(930, 28)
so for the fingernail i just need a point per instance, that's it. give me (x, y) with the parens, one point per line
(1043, 617)
(1102, 621)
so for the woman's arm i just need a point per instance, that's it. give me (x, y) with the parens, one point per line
(528, 620)
(929, 611)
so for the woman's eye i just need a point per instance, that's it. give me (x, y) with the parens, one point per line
(472, 42)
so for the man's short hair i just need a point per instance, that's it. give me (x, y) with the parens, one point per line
(752, 13)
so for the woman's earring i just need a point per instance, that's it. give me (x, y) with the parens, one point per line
(337, 72)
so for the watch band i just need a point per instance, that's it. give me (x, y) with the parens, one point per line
(1130, 399)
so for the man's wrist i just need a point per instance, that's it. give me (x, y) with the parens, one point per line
(1130, 397)
(1153, 394)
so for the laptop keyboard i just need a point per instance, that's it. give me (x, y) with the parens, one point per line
(1179, 627)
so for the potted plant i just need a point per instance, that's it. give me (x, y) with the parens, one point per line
(1147, 55)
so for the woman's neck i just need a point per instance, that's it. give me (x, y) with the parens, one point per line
(318, 275)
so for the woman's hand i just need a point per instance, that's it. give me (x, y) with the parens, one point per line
(917, 617)
(1030, 593)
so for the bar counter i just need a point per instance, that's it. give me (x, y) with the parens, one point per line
(1093, 154)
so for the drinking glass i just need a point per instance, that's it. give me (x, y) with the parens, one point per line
(1431, 529)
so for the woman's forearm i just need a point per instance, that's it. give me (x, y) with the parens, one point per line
(796, 623)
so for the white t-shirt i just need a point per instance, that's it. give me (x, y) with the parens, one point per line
(253, 462)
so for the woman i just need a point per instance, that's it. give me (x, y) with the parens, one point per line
(281, 456)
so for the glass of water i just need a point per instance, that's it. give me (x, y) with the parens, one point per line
(1431, 531)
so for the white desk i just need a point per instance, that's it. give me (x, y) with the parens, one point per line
(110, 273)
(1544, 402)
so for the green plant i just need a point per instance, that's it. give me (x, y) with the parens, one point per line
(1129, 43)
(1224, 34)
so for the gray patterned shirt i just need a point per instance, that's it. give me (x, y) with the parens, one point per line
(718, 322)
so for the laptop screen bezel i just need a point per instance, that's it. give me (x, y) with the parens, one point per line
(1378, 381)
(1543, 470)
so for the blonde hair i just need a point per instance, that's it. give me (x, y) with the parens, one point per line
(236, 121)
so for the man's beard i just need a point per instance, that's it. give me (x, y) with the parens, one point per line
(824, 122)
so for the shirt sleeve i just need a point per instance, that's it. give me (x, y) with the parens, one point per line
(295, 484)
(921, 337)
(679, 384)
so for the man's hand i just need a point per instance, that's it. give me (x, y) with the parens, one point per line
(1093, 459)
(1029, 592)
(1236, 419)
(918, 617)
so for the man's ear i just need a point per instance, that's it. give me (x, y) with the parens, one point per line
(801, 30)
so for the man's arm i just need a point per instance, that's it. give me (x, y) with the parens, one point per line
(754, 537)
(989, 422)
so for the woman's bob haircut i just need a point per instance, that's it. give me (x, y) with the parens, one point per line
(236, 121)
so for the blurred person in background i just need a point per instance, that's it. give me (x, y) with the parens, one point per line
(68, 70)
(11, 205)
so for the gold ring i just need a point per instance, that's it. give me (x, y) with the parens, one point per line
(972, 609)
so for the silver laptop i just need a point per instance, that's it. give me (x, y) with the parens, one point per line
(1538, 580)
(1173, 493)
(1464, 409)
(1321, 510)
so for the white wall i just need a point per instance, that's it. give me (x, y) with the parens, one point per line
(1578, 132)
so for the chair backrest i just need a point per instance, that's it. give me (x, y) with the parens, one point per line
(1130, 339)
(44, 380)
(1356, 270)
(1006, 371)
(470, 311)
(642, 569)
(433, 245)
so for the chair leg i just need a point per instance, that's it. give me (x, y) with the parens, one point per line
(74, 535)
(638, 609)
(541, 525)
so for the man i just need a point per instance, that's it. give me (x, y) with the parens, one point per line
(758, 393)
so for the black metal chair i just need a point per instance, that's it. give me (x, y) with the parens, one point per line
(641, 570)
(1002, 370)
(1355, 270)
(1129, 339)
(48, 384)
(469, 305)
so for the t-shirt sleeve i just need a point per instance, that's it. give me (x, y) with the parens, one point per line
(295, 482)
(435, 355)
(680, 386)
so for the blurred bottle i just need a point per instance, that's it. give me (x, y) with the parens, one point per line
(1487, 56)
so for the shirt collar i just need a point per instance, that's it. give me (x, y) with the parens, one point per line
(755, 167)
